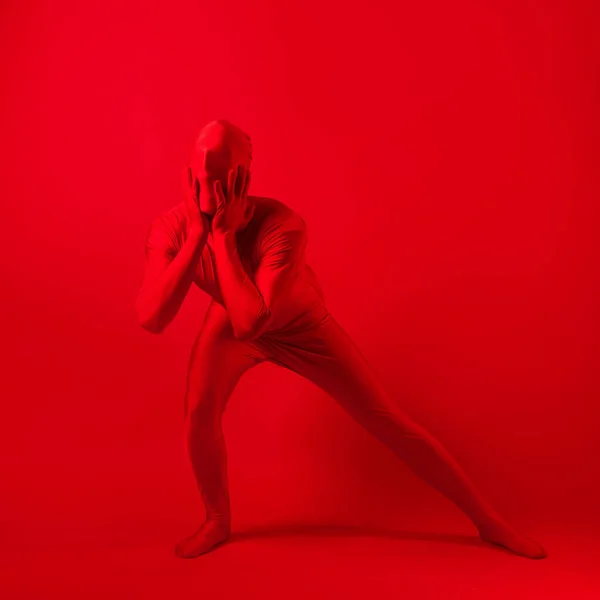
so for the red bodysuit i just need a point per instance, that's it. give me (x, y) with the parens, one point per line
(302, 336)
(305, 338)
(275, 239)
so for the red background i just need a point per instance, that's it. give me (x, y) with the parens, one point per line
(444, 156)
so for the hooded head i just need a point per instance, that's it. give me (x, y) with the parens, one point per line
(220, 146)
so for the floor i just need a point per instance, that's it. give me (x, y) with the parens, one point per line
(293, 561)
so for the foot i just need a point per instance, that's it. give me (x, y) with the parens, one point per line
(502, 534)
(204, 540)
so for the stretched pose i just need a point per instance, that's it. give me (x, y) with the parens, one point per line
(247, 252)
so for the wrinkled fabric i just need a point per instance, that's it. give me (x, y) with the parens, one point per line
(274, 241)
(304, 338)
(323, 353)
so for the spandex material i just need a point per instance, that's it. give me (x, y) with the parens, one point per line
(305, 338)
(274, 241)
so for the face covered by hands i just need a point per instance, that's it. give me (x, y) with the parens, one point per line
(234, 211)
(220, 162)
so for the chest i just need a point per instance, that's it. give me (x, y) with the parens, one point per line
(207, 269)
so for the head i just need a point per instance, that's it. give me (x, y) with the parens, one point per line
(220, 146)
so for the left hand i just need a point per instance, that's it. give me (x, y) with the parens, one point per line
(234, 212)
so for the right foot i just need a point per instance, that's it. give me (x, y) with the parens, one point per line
(210, 534)
(502, 534)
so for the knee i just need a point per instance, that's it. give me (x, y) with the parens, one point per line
(201, 410)
(389, 419)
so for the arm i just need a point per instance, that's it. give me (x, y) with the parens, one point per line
(166, 281)
(168, 274)
(253, 304)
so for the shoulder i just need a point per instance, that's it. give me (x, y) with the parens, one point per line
(167, 229)
(273, 216)
(280, 231)
(171, 219)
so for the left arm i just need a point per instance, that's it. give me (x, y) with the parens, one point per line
(253, 304)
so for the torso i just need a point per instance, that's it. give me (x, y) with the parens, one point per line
(307, 299)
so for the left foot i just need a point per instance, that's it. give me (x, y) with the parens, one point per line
(502, 534)
(204, 540)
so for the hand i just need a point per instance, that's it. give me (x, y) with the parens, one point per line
(234, 212)
(198, 224)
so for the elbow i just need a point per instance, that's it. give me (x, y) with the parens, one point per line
(151, 326)
(147, 322)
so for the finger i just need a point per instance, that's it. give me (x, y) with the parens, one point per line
(189, 198)
(246, 184)
(219, 194)
(190, 206)
(231, 185)
(197, 190)
(241, 175)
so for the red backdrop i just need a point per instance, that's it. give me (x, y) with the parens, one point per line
(444, 156)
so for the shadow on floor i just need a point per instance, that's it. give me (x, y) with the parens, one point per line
(281, 530)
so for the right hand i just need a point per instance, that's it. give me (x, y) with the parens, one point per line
(198, 225)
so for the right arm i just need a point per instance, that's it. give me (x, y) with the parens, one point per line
(168, 275)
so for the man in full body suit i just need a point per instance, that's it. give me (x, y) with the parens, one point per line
(247, 253)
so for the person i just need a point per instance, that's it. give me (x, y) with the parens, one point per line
(248, 253)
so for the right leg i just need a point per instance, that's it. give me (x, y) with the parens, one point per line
(326, 355)
(216, 364)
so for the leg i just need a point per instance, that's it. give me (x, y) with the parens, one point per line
(216, 364)
(327, 356)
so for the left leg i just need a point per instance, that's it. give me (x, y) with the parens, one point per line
(327, 356)
(217, 362)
